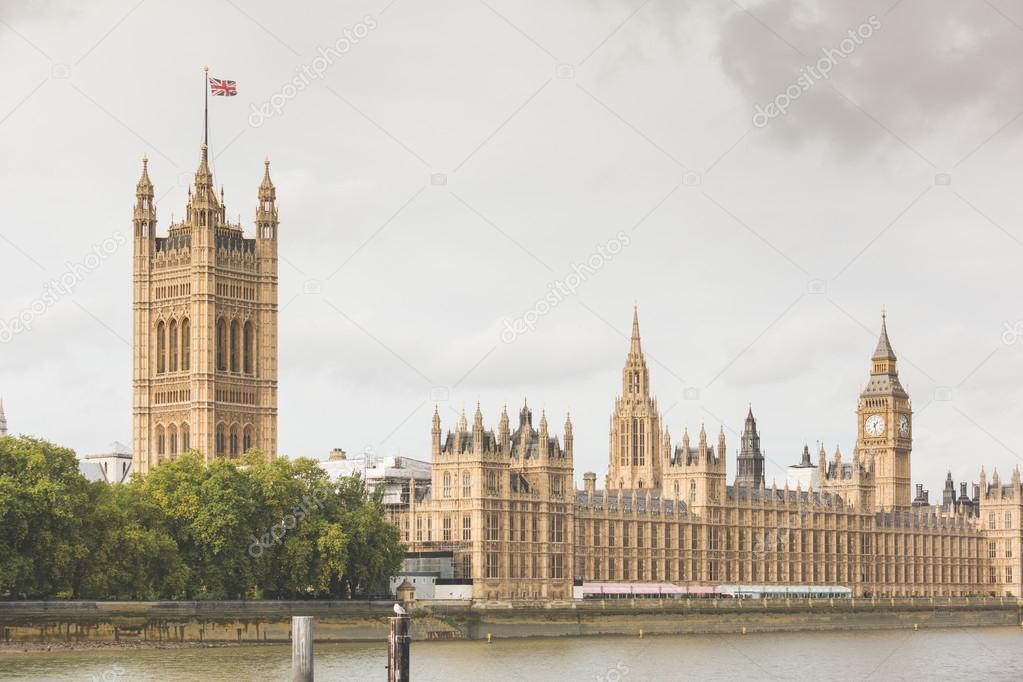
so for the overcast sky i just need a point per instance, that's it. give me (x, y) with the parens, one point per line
(454, 160)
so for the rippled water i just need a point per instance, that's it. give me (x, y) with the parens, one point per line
(974, 654)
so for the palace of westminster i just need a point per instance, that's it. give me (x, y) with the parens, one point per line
(504, 502)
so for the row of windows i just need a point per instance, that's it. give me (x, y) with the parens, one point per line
(555, 527)
(227, 439)
(236, 291)
(173, 290)
(493, 484)
(237, 397)
(992, 549)
(520, 569)
(167, 397)
(466, 484)
(632, 443)
(172, 439)
(992, 519)
(236, 346)
(173, 345)
(992, 575)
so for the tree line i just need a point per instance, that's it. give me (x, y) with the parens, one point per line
(255, 529)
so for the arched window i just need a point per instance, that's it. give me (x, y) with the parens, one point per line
(186, 345)
(161, 347)
(692, 491)
(185, 444)
(161, 442)
(221, 438)
(172, 438)
(247, 348)
(235, 346)
(221, 345)
(172, 344)
(234, 441)
(247, 438)
(447, 484)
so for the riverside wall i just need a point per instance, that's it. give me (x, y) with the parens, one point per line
(157, 623)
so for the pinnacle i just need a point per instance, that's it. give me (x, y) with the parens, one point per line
(635, 345)
(884, 351)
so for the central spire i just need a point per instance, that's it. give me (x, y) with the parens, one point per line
(635, 346)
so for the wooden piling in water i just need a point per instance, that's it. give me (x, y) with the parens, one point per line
(301, 649)
(398, 649)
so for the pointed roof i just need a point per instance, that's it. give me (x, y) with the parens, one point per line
(884, 347)
(266, 187)
(3, 419)
(751, 421)
(635, 346)
(145, 185)
(204, 179)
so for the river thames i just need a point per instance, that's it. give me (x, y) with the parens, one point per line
(977, 653)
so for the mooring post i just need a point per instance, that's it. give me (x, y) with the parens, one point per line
(302, 649)
(398, 649)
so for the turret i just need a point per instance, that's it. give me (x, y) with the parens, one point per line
(569, 439)
(3, 419)
(435, 434)
(543, 434)
(750, 461)
(948, 494)
(477, 424)
(266, 213)
(721, 444)
(144, 214)
(503, 434)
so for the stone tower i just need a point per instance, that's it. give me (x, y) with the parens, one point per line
(3, 419)
(883, 434)
(635, 425)
(205, 327)
(750, 462)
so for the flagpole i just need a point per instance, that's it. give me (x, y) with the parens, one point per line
(206, 105)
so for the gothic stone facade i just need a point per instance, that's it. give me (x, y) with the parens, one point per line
(667, 514)
(205, 327)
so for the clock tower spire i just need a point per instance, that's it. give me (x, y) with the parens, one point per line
(883, 437)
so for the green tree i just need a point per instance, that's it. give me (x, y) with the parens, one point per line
(132, 552)
(42, 499)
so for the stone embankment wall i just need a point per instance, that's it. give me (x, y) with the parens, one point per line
(270, 621)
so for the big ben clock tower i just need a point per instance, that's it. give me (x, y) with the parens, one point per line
(884, 435)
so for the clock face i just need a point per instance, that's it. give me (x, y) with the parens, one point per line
(874, 426)
(903, 425)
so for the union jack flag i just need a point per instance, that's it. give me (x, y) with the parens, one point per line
(222, 88)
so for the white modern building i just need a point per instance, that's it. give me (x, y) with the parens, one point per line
(392, 472)
(113, 465)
